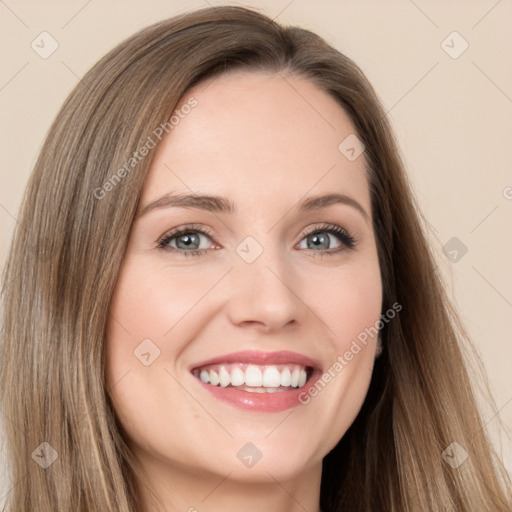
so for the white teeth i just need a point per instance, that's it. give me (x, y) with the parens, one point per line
(268, 378)
(253, 376)
(272, 390)
(295, 378)
(255, 390)
(237, 377)
(286, 377)
(264, 390)
(224, 377)
(214, 377)
(271, 377)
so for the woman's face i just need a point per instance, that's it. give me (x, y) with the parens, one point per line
(253, 300)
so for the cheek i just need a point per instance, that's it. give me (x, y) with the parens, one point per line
(153, 316)
(336, 399)
(152, 303)
(146, 332)
(148, 302)
(143, 312)
(350, 303)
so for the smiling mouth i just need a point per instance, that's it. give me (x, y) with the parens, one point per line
(255, 378)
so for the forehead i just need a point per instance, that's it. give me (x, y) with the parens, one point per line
(257, 137)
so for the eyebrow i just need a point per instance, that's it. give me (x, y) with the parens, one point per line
(209, 203)
(323, 201)
(217, 204)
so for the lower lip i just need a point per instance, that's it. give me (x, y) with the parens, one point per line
(259, 402)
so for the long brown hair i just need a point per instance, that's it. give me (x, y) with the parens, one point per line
(70, 242)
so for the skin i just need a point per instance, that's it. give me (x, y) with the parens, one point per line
(265, 142)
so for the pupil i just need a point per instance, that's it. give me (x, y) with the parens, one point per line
(187, 240)
(321, 241)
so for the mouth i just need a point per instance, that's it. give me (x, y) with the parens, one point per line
(257, 380)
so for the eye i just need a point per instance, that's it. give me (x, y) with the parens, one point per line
(186, 240)
(320, 239)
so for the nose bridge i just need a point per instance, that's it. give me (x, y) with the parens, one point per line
(262, 284)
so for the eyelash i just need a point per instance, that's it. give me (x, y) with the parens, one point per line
(347, 240)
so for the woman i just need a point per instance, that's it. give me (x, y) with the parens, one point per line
(229, 301)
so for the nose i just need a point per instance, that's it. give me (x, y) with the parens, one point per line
(265, 293)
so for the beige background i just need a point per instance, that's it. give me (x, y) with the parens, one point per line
(453, 118)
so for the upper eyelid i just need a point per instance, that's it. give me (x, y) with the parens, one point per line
(175, 232)
(185, 229)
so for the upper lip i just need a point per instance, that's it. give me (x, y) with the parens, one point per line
(261, 358)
